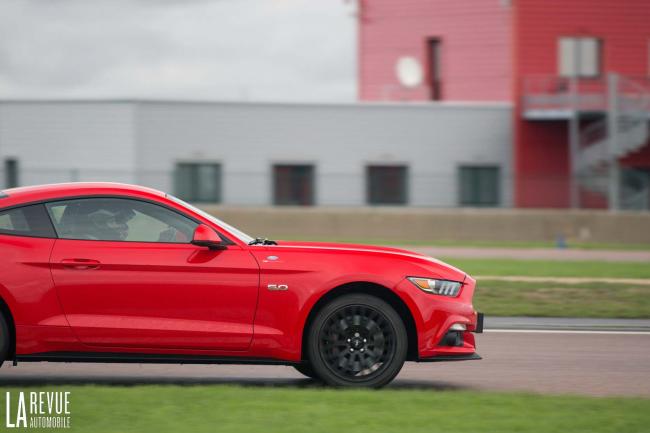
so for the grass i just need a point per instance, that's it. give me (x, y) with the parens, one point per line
(599, 300)
(479, 244)
(551, 268)
(558, 298)
(218, 408)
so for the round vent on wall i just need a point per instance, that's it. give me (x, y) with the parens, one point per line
(409, 71)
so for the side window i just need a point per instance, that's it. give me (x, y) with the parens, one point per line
(116, 219)
(26, 221)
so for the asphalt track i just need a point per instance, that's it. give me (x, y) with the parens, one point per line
(599, 363)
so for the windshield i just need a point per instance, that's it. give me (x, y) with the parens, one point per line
(240, 234)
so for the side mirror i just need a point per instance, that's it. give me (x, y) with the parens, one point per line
(204, 236)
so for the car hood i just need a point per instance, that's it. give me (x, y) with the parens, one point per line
(324, 247)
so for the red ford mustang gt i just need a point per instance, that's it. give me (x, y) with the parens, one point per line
(101, 272)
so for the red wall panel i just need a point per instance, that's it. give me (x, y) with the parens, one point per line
(475, 37)
(623, 27)
(542, 176)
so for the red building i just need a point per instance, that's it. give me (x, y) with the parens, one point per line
(577, 73)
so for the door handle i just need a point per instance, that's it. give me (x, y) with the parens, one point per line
(80, 264)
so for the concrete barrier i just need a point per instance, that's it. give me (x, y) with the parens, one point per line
(431, 225)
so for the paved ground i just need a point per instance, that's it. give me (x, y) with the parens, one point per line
(556, 362)
(535, 253)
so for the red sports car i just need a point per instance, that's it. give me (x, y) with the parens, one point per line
(102, 272)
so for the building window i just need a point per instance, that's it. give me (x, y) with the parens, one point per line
(11, 173)
(198, 182)
(387, 184)
(435, 68)
(579, 57)
(479, 186)
(293, 185)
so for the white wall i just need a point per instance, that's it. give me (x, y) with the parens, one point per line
(66, 141)
(433, 140)
(141, 142)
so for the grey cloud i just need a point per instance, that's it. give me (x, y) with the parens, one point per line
(222, 49)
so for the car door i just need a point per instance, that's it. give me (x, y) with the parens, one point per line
(26, 240)
(128, 276)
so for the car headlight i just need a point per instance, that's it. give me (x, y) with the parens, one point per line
(437, 287)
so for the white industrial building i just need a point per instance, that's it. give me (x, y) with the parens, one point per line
(442, 155)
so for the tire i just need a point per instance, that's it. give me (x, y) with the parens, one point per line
(357, 340)
(4, 340)
(306, 370)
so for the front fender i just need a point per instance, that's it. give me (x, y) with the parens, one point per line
(309, 275)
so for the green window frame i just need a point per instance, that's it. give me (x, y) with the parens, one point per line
(479, 186)
(198, 182)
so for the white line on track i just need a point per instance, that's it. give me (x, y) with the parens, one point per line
(567, 331)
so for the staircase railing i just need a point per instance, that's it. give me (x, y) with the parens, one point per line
(548, 92)
(633, 109)
(630, 131)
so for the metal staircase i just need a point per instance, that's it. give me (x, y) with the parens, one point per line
(622, 130)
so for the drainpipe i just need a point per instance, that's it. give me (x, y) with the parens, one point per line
(612, 133)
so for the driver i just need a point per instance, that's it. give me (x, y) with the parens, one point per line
(110, 224)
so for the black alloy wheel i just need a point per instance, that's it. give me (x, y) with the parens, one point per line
(357, 340)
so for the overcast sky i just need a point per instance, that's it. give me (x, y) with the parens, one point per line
(292, 50)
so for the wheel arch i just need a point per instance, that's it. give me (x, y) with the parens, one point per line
(6, 313)
(372, 289)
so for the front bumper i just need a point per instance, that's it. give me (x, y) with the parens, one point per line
(442, 358)
(437, 319)
(458, 345)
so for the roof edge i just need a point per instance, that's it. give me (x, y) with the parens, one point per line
(303, 104)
